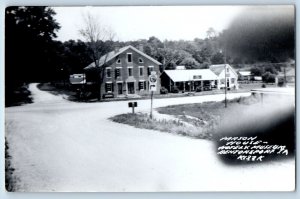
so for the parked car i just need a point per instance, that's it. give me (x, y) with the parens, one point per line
(207, 88)
(175, 90)
(199, 89)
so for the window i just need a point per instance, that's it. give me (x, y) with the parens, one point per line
(227, 70)
(129, 72)
(141, 69)
(108, 72)
(118, 61)
(141, 85)
(108, 87)
(141, 60)
(197, 77)
(232, 80)
(222, 81)
(117, 72)
(150, 68)
(129, 57)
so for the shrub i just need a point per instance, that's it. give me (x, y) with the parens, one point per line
(163, 90)
(268, 77)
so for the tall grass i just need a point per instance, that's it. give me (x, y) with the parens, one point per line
(142, 120)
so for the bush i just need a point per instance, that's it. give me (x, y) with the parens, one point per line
(268, 77)
(163, 90)
(198, 88)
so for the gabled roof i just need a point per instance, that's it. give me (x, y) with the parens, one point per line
(109, 56)
(190, 75)
(245, 73)
(218, 68)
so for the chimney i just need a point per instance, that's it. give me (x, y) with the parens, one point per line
(117, 48)
(141, 47)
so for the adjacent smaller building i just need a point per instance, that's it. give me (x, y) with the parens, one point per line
(188, 80)
(245, 76)
(199, 79)
(287, 76)
(231, 76)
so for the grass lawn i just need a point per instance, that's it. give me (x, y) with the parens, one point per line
(200, 120)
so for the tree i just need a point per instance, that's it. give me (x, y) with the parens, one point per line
(217, 58)
(30, 52)
(211, 33)
(97, 36)
(76, 55)
(256, 71)
(268, 77)
(270, 69)
(190, 63)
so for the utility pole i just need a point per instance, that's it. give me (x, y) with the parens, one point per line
(225, 72)
(284, 75)
(151, 105)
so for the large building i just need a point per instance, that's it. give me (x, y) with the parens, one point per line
(127, 71)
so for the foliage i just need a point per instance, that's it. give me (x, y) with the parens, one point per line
(270, 69)
(256, 71)
(268, 77)
(30, 52)
(163, 90)
(217, 58)
(98, 37)
(190, 63)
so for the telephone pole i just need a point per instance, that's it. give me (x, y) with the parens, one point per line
(225, 72)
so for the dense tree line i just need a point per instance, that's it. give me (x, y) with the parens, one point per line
(32, 53)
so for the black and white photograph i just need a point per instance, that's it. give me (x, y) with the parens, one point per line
(150, 98)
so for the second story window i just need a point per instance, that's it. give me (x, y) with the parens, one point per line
(129, 72)
(108, 72)
(129, 57)
(118, 61)
(117, 72)
(141, 60)
(150, 69)
(141, 71)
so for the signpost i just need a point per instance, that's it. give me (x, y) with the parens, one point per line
(132, 105)
(152, 88)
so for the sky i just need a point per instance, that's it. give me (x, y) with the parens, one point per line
(142, 22)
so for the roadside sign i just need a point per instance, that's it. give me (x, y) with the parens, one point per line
(153, 81)
(152, 87)
(132, 105)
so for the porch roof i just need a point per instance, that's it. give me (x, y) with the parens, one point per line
(191, 75)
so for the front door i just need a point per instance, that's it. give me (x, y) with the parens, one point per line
(120, 91)
(130, 86)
